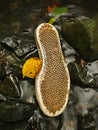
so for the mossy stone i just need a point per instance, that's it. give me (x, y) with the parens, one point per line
(83, 37)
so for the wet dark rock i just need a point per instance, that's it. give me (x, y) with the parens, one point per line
(21, 125)
(2, 97)
(80, 75)
(10, 86)
(20, 46)
(96, 78)
(2, 51)
(82, 36)
(2, 71)
(95, 113)
(81, 111)
(17, 70)
(14, 110)
(86, 99)
(6, 67)
(75, 10)
(69, 118)
(28, 90)
(10, 42)
(86, 122)
(92, 67)
(69, 53)
(25, 46)
(18, 106)
(42, 122)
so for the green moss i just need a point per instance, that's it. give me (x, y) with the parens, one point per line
(90, 26)
(76, 35)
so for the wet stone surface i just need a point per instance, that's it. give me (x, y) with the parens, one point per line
(19, 109)
(19, 46)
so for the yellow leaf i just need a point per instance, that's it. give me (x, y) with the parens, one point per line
(52, 20)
